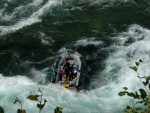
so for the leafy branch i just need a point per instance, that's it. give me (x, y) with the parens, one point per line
(142, 96)
(19, 110)
(39, 101)
(58, 110)
(1, 110)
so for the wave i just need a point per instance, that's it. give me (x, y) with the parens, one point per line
(28, 14)
(20, 86)
(89, 41)
(34, 18)
(128, 46)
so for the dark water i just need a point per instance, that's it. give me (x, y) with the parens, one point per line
(61, 26)
(33, 32)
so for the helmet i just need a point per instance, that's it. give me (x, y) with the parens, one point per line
(75, 70)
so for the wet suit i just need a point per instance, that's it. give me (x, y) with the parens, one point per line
(67, 70)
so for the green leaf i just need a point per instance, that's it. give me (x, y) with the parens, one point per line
(125, 88)
(45, 100)
(40, 106)
(147, 79)
(1, 110)
(137, 96)
(140, 60)
(145, 103)
(139, 110)
(58, 110)
(149, 86)
(131, 95)
(33, 97)
(145, 83)
(140, 102)
(134, 68)
(21, 111)
(128, 110)
(143, 93)
(137, 63)
(122, 93)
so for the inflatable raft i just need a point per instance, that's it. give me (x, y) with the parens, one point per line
(69, 70)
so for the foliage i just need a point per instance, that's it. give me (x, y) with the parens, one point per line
(140, 97)
(19, 110)
(36, 98)
(1, 110)
(58, 110)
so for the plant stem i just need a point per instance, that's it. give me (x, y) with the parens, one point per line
(19, 102)
(40, 100)
(143, 84)
(40, 96)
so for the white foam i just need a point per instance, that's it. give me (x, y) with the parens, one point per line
(38, 76)
(1, 12)
(126, 54)
(88, 41)
(111, 1)
(8, 82)
(104, 99)
(85, 102)
(34, 18)
(19, 10)
(105, 3)
(8, 17)
(46, 40)
(62, 50)
(24, 22)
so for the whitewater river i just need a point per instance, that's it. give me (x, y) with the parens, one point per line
(110, 34)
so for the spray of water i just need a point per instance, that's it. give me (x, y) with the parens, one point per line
(128, 47)
(88, 41)
(33, 18)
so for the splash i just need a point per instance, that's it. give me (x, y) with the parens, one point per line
(88, 41)
(129, 46)
(102, 99)
(56, 95)
(33, 18)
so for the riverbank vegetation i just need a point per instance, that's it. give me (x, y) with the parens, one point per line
(40, 103)
(140, 98)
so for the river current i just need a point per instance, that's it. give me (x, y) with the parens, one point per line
(110, 34)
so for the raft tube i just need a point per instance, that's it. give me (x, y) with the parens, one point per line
(78, 81)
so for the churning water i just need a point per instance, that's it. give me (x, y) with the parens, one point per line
(110, 34)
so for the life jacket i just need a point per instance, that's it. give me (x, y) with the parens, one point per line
(62, 73)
